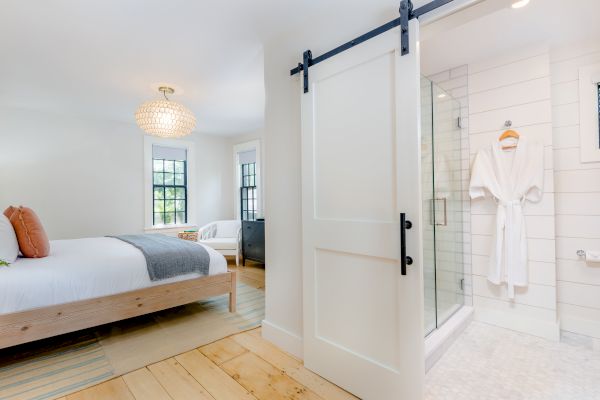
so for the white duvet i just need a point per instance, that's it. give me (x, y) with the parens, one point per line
(81, 269)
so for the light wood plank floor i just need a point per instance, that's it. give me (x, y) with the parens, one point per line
(253, 274)
(239, 367)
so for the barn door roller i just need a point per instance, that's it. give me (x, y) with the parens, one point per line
(406, 14)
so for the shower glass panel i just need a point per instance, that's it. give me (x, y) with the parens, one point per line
(442, 205)
(427, 188)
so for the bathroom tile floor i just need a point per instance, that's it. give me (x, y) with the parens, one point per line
(489, 363)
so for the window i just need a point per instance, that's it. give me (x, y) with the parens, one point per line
(247, 181)
(169, 186)
(248, 199)
(589, 113)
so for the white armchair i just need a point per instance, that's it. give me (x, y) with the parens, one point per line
(223, 236)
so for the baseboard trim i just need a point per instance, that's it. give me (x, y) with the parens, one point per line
(283, 339)
(580, 326)
(545, 329)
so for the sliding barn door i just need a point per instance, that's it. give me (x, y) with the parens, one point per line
(363, 319)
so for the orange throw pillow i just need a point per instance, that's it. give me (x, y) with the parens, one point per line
(9, 211)
(32, 238)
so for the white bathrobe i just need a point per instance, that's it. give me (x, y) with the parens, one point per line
(510, 177)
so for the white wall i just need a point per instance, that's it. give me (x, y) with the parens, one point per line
(283, 307)
(577, 195)
(84, 177)
(515, 87)
(215, 174)
(538, 88)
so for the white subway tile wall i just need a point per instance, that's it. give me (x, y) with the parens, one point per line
(455, 81)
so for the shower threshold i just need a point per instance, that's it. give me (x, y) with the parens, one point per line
(440, 339)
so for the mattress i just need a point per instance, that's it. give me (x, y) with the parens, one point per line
(82, 269)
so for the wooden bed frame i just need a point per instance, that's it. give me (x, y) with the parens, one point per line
(40, 323)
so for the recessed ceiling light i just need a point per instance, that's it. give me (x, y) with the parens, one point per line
(519, 3)
(441, 95)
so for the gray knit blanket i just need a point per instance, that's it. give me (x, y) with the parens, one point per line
(167, 256)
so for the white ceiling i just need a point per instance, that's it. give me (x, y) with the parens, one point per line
(102, 58)
(493, 28)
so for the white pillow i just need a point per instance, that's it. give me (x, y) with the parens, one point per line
(9, 247)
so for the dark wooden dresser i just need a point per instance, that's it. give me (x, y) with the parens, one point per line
(253, 241)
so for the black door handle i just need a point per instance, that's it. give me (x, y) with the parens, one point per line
(404, 259)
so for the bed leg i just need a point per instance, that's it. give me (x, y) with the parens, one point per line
(233, 292)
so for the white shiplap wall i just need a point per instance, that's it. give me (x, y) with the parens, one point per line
(515, 87)
(577, 195)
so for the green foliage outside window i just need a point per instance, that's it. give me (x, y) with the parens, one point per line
(170, 192)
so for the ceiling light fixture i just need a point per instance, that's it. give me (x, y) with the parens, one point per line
(519, 3)
(165, 118)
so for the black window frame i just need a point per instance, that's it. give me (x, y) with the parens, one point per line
(248, 194)
(164, 188)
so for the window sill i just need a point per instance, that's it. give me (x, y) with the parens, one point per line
(170, 228)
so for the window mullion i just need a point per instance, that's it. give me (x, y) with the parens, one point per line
(173, 189)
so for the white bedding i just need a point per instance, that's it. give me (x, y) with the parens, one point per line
(81, 269)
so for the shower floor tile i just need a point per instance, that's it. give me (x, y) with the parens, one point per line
(489, 363)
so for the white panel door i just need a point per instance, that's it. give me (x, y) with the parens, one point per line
(363, 320)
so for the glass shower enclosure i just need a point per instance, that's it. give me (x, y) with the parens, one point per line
(442, 205)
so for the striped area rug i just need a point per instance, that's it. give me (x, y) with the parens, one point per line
(55, 367)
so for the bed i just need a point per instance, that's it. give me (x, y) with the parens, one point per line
(93, 281)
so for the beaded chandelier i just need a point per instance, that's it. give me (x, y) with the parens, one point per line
(165, 118)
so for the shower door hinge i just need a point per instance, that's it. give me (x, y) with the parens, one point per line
(462, 284)
(459, 122)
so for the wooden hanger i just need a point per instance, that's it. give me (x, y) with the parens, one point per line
(509, 133)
